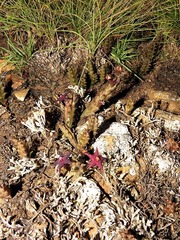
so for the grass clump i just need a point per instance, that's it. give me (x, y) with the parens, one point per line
(18, 54)
(41, 18)
(94, 21)
(91, 22)
(168, 18)
(27, 25)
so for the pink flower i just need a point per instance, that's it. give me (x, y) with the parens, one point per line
(95, 160)
(63, 160)
(62, 97)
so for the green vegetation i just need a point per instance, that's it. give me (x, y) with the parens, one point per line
(31, 25)
(123, 53)
(33, 17)
(19, 54)
(94, 21)
(168, 18)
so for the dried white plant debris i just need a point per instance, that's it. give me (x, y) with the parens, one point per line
(108, 228)
(78, 203)
(155, 150)
(95, 205)
(36, 122)
(88, 195)
(41, 105)
(78, 90)
(162, 159)
(22, 166)
(25, 165)
(81, 205)
(8, 227)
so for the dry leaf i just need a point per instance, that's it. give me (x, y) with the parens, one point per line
(170, 207)
(5, 67)
(172, 145)
(16, 80)
(21, 94)
(30, 208)
(2, 94)
(124, 172)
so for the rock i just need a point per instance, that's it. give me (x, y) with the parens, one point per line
(115, 143)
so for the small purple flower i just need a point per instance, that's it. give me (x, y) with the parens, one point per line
(62, 97)
(63, 160)
(95, 160)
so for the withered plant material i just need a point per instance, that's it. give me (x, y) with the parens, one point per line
(5, 194)
(172, 145)
(21, 94)
(2, 94)
(15, 80)
(5, 67)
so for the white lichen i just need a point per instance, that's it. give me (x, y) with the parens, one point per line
(36, 122)
(21, 167)
(77, 89)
